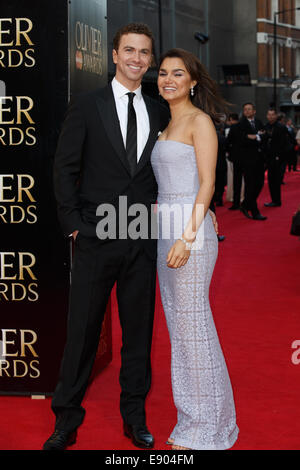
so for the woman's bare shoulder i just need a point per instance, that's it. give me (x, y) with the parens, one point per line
(201, 116)
(201, 121)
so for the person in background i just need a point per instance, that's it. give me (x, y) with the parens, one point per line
(283, 164)
(292, 155)
(233, 145)
(221, 169)
(251, 130)
(274, 143)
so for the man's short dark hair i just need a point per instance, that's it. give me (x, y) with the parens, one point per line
(249, 103)
(135, 28)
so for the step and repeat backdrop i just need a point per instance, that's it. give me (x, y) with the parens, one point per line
(49, 51)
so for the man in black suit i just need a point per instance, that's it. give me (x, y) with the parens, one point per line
(233, 147)
(251, 130)
(221, 167)
(292, 153)
(104, 154)
(276, 142)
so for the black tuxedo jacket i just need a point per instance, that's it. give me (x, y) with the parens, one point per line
(233, 143)
(251, 150)
(91, 165)
(276, 141)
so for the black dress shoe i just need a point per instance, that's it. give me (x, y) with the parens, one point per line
(245, 212)
(259, 217)
(221, 238)
(234, 208)
(60, 440)
(139, 435)
(272, 204)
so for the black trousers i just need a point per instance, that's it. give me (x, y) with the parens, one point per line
(274, 180)
(221, 177)
(237, 182)
(292, 160)
(254, 181)
(96, 268)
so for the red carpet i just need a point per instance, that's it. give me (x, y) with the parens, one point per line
(255, 298)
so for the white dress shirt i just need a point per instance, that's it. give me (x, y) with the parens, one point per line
(142, 118)
(258, 138)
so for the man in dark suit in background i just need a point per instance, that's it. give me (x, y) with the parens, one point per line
(221, 167)
(276, 142)
(233, 148)
(251, 130)
(292, 154)
(104, 153)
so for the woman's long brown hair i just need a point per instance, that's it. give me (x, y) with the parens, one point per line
(207, 95)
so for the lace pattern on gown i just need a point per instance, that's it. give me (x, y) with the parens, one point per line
(200, 382)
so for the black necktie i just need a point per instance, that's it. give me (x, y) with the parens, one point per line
(131, 140)
(252, 122)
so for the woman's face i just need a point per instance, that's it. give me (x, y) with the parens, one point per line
(174, 81)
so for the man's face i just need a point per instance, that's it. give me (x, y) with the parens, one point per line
(132, 59)
(272, 117)
(249, 111)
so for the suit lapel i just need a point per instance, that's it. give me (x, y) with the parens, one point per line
(153, 120)
(107, 109)
(248, 125)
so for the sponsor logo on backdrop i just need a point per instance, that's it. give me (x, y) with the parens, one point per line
(15, 43)
(16, 121)
(17, 278)
(88, 55)
(17, 203)
(18, 354)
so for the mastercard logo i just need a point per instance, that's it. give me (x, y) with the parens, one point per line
(79, 60)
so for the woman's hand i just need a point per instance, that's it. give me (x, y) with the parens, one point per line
(214, 219)
(178, 255)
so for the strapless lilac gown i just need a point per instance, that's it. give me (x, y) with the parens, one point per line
(200, 382)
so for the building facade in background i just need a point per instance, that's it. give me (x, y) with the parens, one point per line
(239, 53)
(287, 53)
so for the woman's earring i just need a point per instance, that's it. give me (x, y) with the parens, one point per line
(192, 91)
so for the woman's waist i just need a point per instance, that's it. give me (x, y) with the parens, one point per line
(173, 219)
(176, 196)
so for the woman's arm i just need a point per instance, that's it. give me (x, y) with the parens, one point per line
(206, 149)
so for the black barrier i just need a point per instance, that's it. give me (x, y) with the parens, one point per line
(40, 46)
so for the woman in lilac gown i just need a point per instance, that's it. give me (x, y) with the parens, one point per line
(184, 162)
